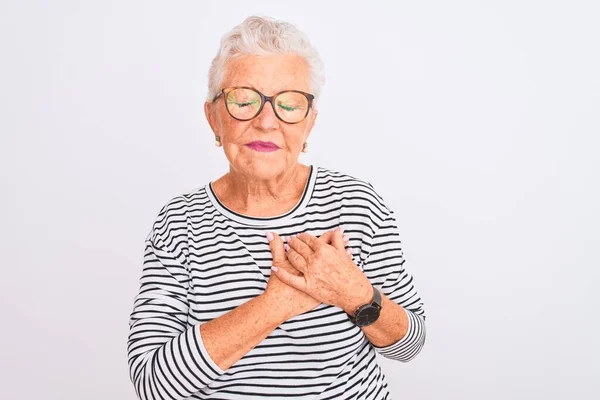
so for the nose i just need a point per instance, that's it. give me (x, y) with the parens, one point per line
(267, 118)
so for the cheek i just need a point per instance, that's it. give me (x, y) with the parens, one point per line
(233, 133)
(293, 142)
(295, 137)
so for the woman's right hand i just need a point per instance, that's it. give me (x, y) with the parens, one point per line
(285, 298)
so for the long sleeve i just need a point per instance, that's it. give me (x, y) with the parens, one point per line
(167, 359)
(384, 266)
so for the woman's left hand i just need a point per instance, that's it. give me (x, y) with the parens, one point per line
(329, 274)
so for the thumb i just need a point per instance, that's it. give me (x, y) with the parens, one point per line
(295, 281)
(326, 237)
(277, 249)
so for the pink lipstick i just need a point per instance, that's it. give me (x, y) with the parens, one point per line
(259, 145)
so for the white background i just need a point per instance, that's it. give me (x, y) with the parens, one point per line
(478, 122)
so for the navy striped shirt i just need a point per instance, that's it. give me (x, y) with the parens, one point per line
(203, 259)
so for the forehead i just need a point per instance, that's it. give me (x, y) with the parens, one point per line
(269, 74)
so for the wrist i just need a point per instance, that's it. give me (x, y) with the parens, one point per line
(362, 294)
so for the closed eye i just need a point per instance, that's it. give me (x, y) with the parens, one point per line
(288, 108)
(244, 104)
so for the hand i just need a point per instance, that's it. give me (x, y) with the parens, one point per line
(327, 273)
(287, 299)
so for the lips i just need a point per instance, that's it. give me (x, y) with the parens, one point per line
(262, 146)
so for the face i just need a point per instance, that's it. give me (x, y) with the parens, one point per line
(269, 75)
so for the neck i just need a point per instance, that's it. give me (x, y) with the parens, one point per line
(262, 195)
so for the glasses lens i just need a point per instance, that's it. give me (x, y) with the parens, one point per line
(291, 106)
(242, 103)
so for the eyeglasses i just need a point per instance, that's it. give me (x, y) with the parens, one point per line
(244, 103)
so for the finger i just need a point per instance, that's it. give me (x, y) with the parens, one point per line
(310, 240)
(277, 250)
(350, 251)
(297, 261)
(326, 237)
(337, 240)
(300, 247)
(346, 239)
(294, 281)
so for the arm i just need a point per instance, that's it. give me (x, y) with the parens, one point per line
(167, 359)
(399, 332)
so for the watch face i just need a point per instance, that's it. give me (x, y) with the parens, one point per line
(367, 316)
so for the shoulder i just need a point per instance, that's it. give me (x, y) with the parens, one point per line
(355, 190)
(172, 217)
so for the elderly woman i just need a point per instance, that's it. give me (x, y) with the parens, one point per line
(278, 279)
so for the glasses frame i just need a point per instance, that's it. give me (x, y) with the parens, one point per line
(264, 99)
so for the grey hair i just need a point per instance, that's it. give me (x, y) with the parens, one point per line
(258, 35)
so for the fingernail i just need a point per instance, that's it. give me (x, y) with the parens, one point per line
(286, 247)
(346, 237)
(288, 239)
(341, 229)
(274, 268)
(270, 236)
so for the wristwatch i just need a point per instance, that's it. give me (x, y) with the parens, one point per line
(368, 313)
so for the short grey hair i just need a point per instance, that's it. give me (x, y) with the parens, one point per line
(258, 35)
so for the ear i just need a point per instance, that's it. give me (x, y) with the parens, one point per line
(209, 112)
(312, 117)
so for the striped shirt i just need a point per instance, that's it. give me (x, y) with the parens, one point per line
(203, 259)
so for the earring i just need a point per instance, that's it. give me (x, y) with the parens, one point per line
(218, 141)
(304, 148)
